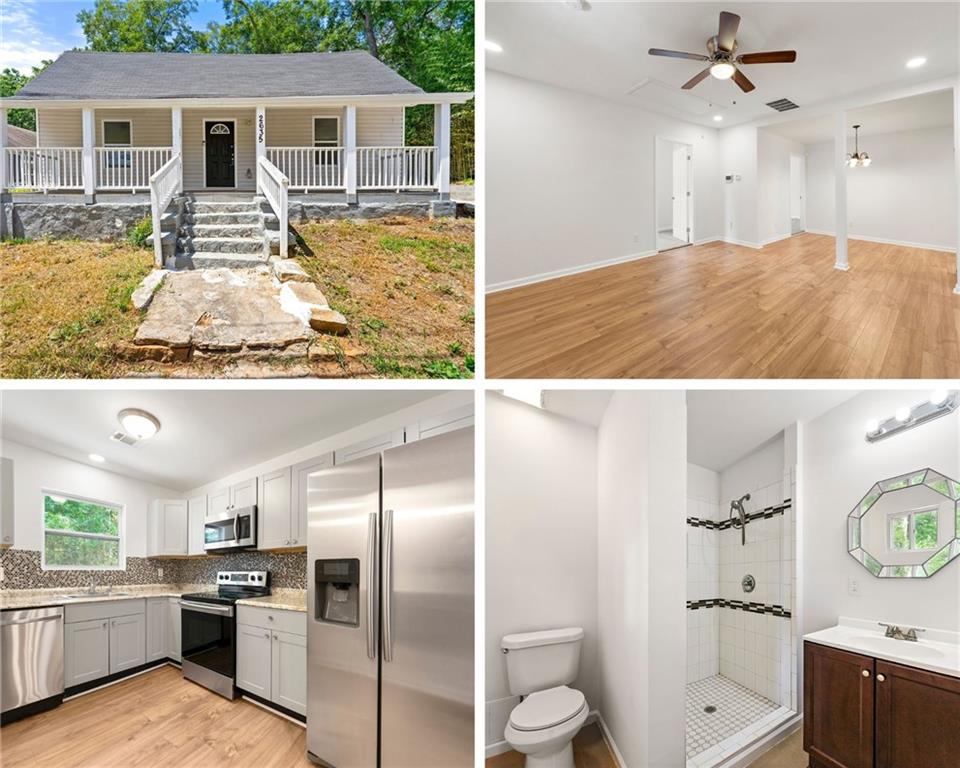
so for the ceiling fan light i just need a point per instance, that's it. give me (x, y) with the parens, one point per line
(722, 70)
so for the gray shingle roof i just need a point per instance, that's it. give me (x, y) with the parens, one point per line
(95, 75)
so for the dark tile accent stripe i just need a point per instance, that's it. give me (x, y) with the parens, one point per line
(738, 605)
(723, 525)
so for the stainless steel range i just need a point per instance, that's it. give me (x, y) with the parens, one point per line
(209, 629)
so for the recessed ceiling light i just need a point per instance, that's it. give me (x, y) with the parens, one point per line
(717, 118)
(97, 458)
(492, 46)
(919, 61)
(138, 424)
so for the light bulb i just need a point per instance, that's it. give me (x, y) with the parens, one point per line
(939, 396)
(866, 161)
(902, 414)
(872, 426)
(722, 70)
(97, 458)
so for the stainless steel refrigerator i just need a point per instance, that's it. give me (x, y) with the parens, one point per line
(391, 608)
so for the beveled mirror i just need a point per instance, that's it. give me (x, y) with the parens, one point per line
(906, 526)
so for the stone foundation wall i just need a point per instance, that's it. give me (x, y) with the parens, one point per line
(101, 221)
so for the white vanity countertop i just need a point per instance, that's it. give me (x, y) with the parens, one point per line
(938, 650)
(280, 599)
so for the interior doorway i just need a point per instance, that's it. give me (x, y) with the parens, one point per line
(798, 175)
(674, 194)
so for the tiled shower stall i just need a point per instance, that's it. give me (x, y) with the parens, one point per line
(741, 651)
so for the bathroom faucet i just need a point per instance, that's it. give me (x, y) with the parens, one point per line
(892, 630)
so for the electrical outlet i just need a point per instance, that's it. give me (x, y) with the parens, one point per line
(160, 573)
(853, 587)
(636, 238)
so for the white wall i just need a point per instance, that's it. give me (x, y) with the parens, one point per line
(541, 540)
(642, 468)
(908, 195)
(773, 185)
(570, 180)
(839, 468)
(35, 471)
(738, 151)
(703, 573)
(756, 470)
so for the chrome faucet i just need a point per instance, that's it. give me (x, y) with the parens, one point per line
(93, 586)
(895, 632)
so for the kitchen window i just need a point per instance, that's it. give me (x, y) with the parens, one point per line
(82, 534)
(912, 531)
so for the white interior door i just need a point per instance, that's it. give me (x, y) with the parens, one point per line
(680, 197)
(797, 180)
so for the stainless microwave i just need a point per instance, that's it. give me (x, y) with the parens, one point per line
(231, 531)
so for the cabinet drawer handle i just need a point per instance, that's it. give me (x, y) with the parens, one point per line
(866, 673)
(104, 625)
(881, 678)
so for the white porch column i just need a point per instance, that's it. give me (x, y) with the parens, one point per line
(176, 132)
(3, 150)
(350, 149)
(840, 204)
(88, 164)
(956, 172)
(441, 137)
(261, 141)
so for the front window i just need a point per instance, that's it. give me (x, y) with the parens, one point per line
(81, 533)
(326, 133)
(117, 133)
(912, 531)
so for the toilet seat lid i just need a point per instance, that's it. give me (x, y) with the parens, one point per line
(545, 709)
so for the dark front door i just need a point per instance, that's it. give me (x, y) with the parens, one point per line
(219, 153)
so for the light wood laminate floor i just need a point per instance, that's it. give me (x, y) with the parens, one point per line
(152, 720)
(589, 751)
(726, 311)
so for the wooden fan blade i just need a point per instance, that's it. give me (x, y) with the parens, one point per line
(727, 37)
(743, 81)
(696, 79)
(678, 54)
(769, 57)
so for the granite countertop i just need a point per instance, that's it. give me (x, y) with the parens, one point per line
(280, 599)
(11, 599)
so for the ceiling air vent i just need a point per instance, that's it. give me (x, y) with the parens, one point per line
(123, 437)
(782, 105)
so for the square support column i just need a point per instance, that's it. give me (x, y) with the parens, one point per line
(176, 132)
(3, 150)
(260, 126)
(956, 172)
(840, 204)
(441, 137)
(350, 150)
(89, 180)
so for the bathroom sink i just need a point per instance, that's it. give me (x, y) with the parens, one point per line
(917, 650)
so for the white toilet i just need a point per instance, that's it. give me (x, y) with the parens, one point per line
(540, 665)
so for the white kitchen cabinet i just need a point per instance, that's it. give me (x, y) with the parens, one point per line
(299, 493)
(236, 496)
(368, 447)
(86, 651)
(158, 613)
(6, 502)
(437, 425)
(288, 682)
(167, 528)
(218, 502)
(277, 524)
(253, 660)
(127, 642)
(173, 628)
(196, 514)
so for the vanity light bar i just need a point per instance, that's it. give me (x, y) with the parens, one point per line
(939, 404)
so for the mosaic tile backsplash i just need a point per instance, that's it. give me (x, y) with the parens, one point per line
(22, 570)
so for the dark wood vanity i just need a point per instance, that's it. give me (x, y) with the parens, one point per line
(862, 712)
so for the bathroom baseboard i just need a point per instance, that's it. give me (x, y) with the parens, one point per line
(608, 737)
(499, 747)
(745, 758)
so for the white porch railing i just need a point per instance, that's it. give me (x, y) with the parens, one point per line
(272, 184)
(310, 167)
(44, 168)
(396, 168)
(129, 168)
(164, 184)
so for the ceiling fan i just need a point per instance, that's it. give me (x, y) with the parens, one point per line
(723, 56)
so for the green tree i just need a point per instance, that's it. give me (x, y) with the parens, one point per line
(11, 81)
(265, 26)
(142, 25)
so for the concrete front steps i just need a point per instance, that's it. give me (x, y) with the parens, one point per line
(205, 234)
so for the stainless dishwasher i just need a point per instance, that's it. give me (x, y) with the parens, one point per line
(31, 661)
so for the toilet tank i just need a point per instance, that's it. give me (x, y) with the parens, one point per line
(540, 660)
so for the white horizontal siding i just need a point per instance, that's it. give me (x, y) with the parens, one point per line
(379, 126)
(59, 128)
(149, 127)
(193, 147)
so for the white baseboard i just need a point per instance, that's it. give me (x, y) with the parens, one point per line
(542, 277)
(608, 737)
(744, 243)
(885, 241)
(775, 239)
(274, 712)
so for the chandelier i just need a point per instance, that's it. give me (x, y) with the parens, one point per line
(858, 159)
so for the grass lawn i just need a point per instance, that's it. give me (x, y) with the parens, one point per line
(404, 285)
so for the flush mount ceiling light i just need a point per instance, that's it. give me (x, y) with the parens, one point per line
(96, 457)
(858, 159)
(528, 395)
(492, 46)
(718, 118)
(916, 63)
(940, 403)
(138, 424)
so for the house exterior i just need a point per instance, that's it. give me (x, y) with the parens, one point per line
(21, 137)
